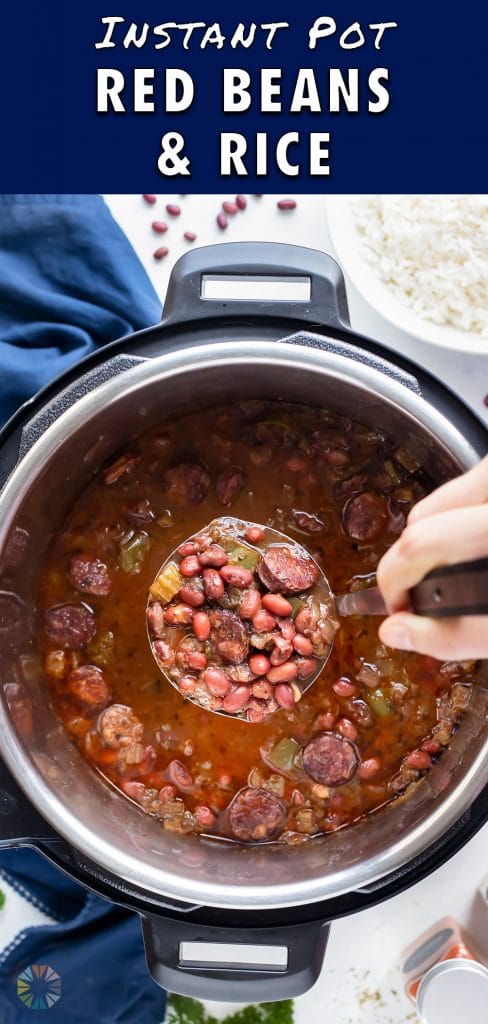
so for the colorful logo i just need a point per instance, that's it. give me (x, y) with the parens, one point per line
(39, 987)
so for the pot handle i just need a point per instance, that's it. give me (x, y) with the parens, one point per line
(20, 824)
(293, 281)
(234, 964)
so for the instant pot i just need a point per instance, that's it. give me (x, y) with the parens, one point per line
(220, 920)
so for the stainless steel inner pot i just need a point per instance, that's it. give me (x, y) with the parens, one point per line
(95, 818)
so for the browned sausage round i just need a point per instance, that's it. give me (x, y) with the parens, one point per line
(229, 484)
(256, 814)
(281, 570)
(70, 625)
(365, 516)
(188, 482)
(88, 574)
(119, 727)
(230, 636)
(88, 689)
(330, 759)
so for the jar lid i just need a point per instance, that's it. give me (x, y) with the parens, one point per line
(454, 991)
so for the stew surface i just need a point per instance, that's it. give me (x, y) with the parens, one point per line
(373, 722)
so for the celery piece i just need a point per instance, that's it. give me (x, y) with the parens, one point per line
(133, 553)
(241, 554)
(167, 584)
(297, 604)
(101, 650)
(378, 703)
(284, 753)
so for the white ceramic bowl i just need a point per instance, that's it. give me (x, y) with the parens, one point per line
(347, 246)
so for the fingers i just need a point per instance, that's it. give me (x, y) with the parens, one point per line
(458, 639)
(446, 538)
(469, 489)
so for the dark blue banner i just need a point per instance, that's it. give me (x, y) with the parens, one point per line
(365, 97)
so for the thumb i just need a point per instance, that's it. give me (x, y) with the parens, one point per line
(451, 639)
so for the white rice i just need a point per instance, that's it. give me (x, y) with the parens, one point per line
(432, 252)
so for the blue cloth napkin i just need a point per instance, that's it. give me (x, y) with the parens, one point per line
(69, 282)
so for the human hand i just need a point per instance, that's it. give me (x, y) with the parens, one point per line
(448, 526)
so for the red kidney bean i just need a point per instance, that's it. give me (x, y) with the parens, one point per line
(302, 620)
(369, 768)
(262, 689)
(192, 596)
(431, 746)
(135, 790)
(263, 622)
(286, 628)
(305, 667)
(179, 775)
(222, 221)
(173, 209)
(302, 645)
(201, 626)
(282, 673)
(286, 204)
(188, 548)
(254, 534)
(259, 664)
(213, 584)
(419, 759)
(187, 685)
(277, 605)
(159, 226)
(230, 208)
(216, 681)
(241, 202)
(204, 816)
(149, 199)
(190, 566)
(297, 798)
(250, 604)
(324, 721)
(214, 555)
(284, 695)
(190, 236)
(278, 656)
(164, 653)
(236, 699)
(236, 575)
(344, 688)
(257, 711)
(166, 794)
(195, 660)
(160, 253)
(178, 615)
(347, 729)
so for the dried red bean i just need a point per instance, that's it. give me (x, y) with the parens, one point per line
(216, 681)
(195, 660)
(160, 253)
(305, 667)
(419, 759)
(214, 556)
(173, 209)
(178, 615)
(347, 729)
(250, 604)
(281, 652)
(286, 628)
(159, 226)
(201, 626)
(179, 775)
(302, 645)
(259, 664)
(303, 620)
(254, 534)
(230, 208)
(431, 746)
(222, 221)
(148, 198)
(190, 566)
(344, 688)
(283, 673)
(236, 575)
(190, 236)
(241, 202)
(204, 816)
(236, 700)
(284, 695)
(213, 584)
(136, 790)
(188, 548)
(369, 768)
(277, 605)
(263, 622)
(286, 204)
(192, 595)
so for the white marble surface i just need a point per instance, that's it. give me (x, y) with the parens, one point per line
(360, 983)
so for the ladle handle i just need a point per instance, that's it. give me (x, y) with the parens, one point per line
(460, 589)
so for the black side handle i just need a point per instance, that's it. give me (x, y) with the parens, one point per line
(231, 267)
(234, 964)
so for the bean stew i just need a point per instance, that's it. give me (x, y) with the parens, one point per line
(373, 722)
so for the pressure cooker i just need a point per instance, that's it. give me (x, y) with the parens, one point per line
(220, 920)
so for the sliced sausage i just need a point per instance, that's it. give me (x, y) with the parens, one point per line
(331, 446)
(70, 626)
(88, 574)
(229, 635)
(229, 484)
(89, 690)
(281, 570)
(256, 814)
(330, 759)
(119, 727)
(365, 516)
(188, 482)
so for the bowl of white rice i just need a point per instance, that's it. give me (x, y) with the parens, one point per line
(421, 261)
